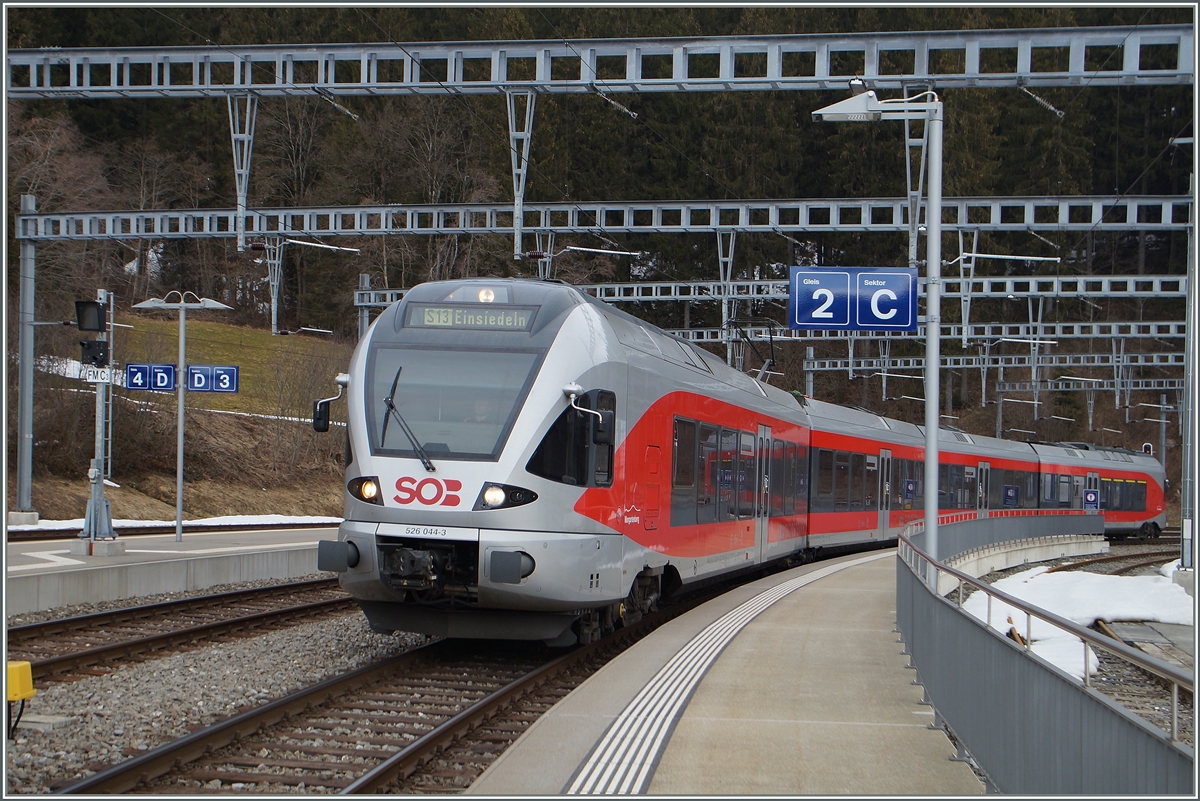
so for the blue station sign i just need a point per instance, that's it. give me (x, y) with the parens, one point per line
(212, 378)
(160, 377)
(853, 298)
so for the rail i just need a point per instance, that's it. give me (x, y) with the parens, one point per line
(921, 565)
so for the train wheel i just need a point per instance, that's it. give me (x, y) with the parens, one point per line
(1148, 531)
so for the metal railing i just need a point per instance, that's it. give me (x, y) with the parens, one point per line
(1063, 743)
(921, 564)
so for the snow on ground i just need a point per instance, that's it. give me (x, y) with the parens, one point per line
(228, 520)
(1082, 598)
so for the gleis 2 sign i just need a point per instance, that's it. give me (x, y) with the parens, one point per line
(853, 298)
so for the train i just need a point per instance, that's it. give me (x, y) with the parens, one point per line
(526, 462)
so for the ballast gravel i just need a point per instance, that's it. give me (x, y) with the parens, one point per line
(144, 705)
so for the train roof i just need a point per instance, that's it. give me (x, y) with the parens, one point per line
(647, 338)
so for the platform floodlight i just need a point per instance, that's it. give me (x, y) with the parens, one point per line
(865, 106)
(181, 302)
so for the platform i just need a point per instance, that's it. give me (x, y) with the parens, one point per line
(800, 687)
(46, 575)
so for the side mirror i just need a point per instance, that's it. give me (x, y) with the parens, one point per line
(602, 432)
(321, 415)
(321, 405)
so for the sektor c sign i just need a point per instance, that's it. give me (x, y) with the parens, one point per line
(853, 298)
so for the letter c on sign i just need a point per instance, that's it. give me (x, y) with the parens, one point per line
(882, 315)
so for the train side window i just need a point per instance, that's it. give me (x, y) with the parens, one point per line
(779, 478)
(871, 485)
(995, 492)
(683, 490)
(568, 452)
(1139, 497)
(685, 453)
(727, 476)
(789, 501)
(824, 473)
(706, 468)
(1048, 482)
(841, 481)
(747, 493)
(562, 455)
(801, 478)
(858, 476)
(1064, 490)
(1114, 495)
(603, 452)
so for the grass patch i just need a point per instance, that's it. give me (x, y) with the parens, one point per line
(277, 374)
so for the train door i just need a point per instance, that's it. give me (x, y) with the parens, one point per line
(1093, 483)
(982, 492)
(884, 493)
(762, 507)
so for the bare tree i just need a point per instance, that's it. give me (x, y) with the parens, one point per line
(423, 150)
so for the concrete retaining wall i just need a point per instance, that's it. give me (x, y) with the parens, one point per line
(34, 593)
(1003, 555)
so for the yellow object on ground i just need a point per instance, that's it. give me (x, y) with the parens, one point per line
(20, 681)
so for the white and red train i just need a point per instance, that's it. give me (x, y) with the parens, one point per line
(526, 462)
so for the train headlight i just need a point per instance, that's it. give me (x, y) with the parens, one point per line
(503, 496)
(365, 488)
(487, 295)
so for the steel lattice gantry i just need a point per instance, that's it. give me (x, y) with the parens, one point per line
(521, 70)
(1101, 56)
(823, 215)
(1005, 287)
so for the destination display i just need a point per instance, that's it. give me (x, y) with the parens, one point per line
(470, 316)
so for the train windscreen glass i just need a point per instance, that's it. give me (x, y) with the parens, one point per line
(459, 404)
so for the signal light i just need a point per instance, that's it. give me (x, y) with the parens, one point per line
(95, 352)
(91, 315)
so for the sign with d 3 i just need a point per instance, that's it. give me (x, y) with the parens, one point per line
(212, 378)
(853, 298)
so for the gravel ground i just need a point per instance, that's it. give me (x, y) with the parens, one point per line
(147, 704)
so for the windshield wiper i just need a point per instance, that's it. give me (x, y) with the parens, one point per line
(391, 407)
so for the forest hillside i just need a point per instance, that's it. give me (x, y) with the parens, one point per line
(310, 151)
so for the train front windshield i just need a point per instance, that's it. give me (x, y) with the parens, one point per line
(458, 404)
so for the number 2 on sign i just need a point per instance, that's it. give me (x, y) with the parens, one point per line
(822, 312)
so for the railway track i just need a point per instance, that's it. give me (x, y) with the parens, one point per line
(68, 648)
(1118, 563)
(429, 720)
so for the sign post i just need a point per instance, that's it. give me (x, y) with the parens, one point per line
(183, 304)
(926, 107)
(97, 522)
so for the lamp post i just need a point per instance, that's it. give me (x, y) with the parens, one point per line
(864, 106)
(183, 304)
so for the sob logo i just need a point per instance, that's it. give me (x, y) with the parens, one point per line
(427, 491)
